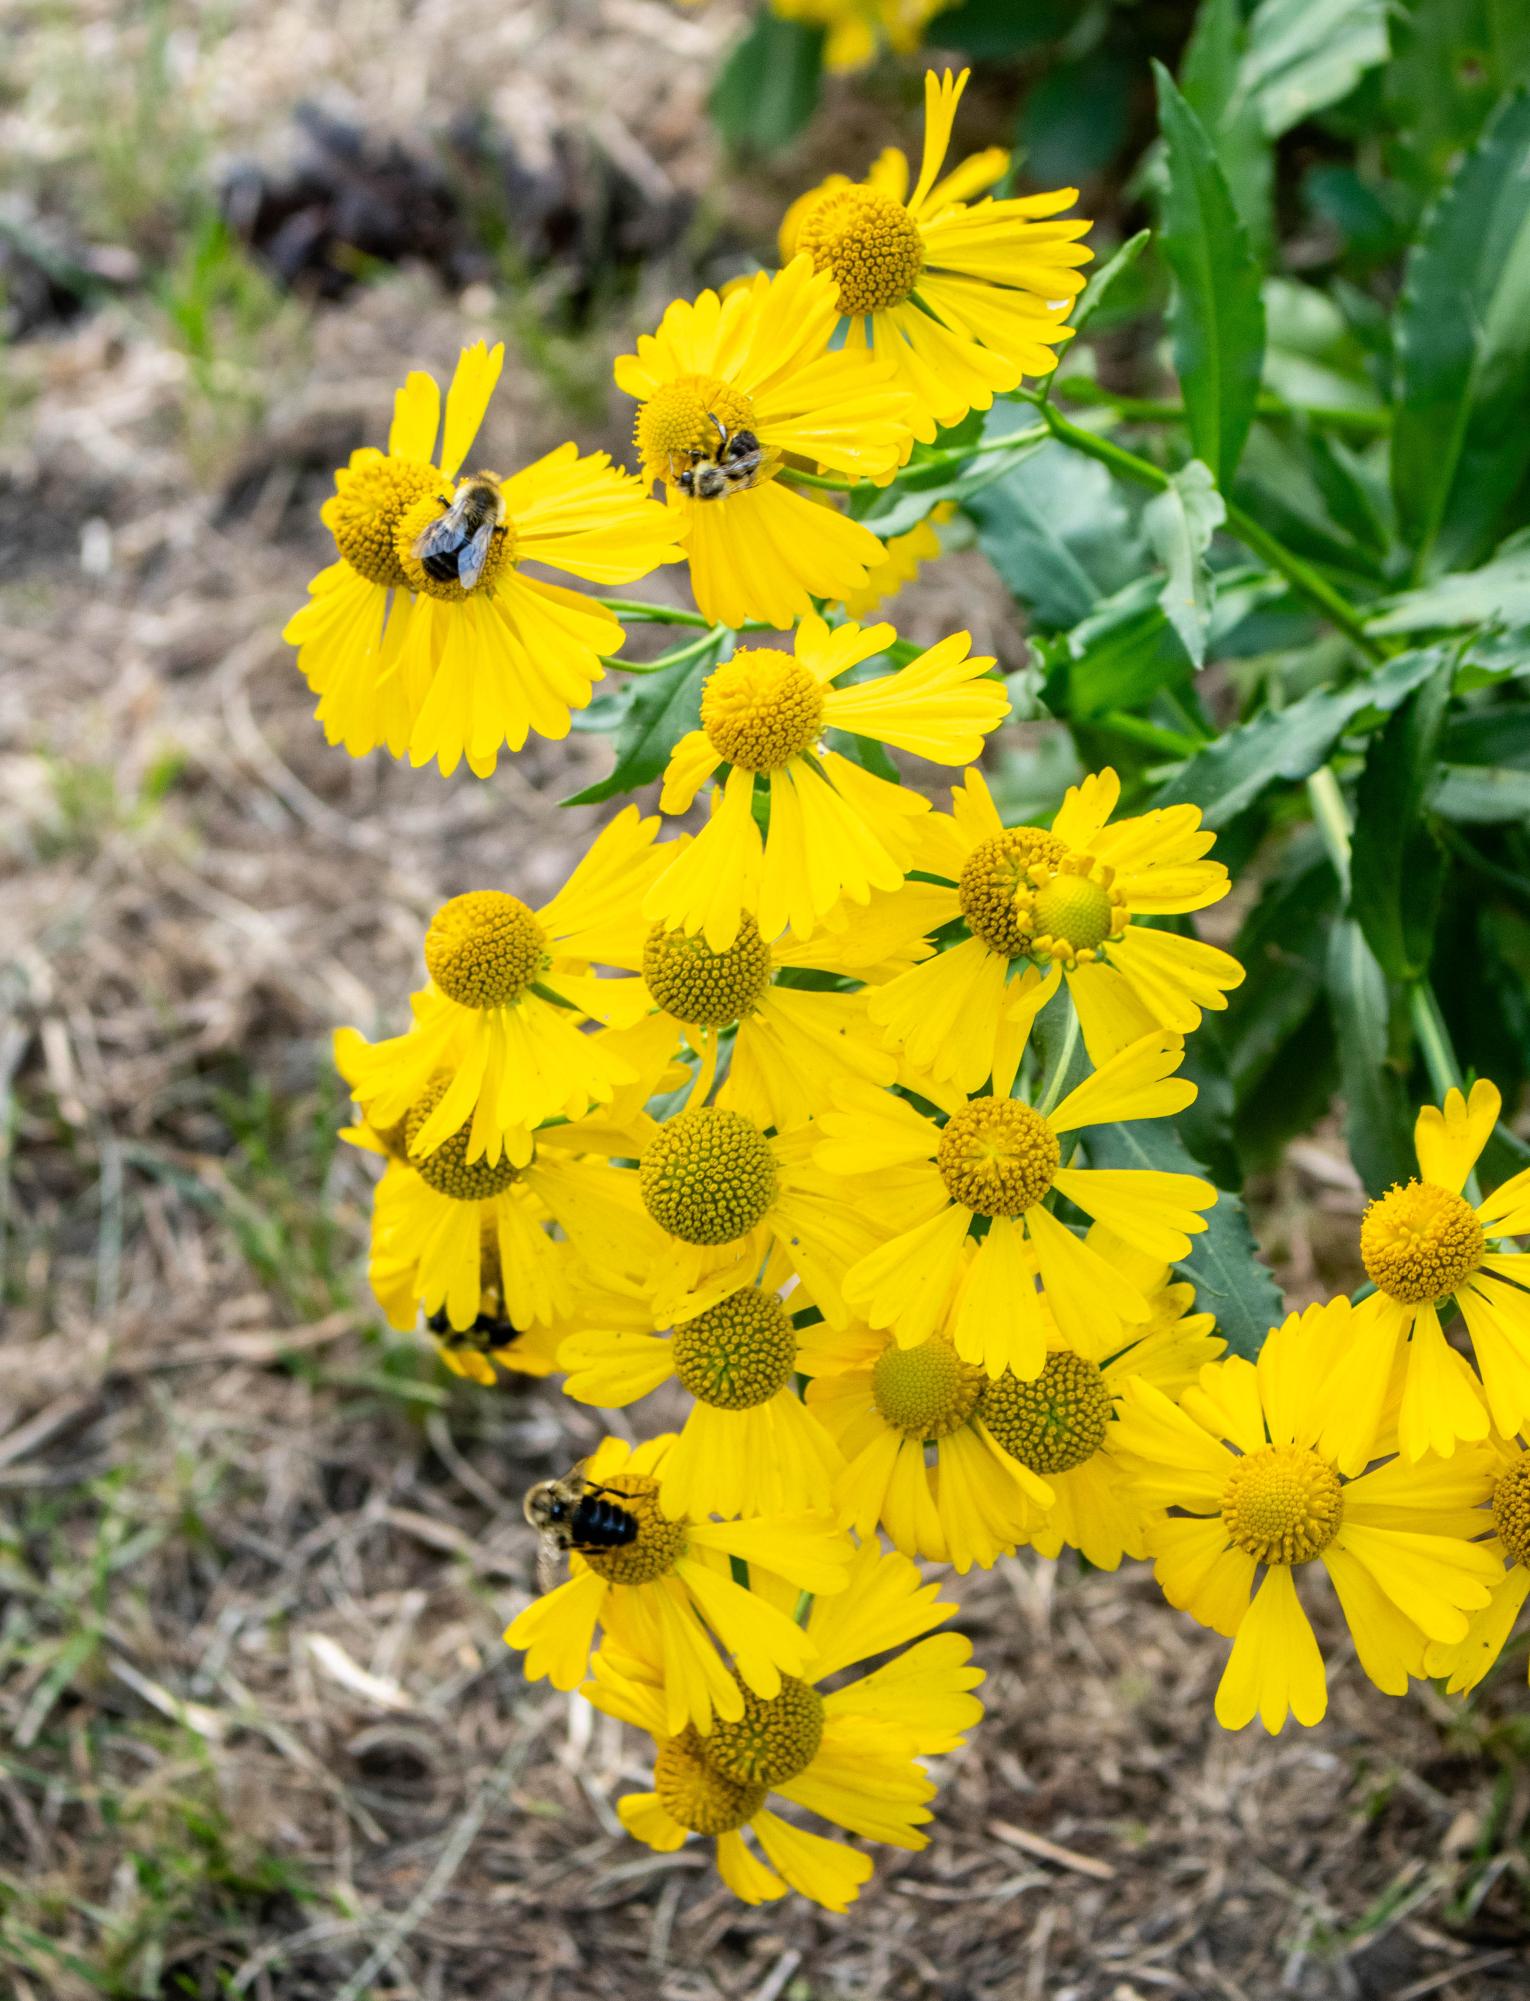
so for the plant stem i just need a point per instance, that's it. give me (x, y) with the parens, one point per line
(1158, 410)
(1433, 1038)
(1153, 736)
(948, 455)
(1332, 818)
(709, 638)
(653, 614)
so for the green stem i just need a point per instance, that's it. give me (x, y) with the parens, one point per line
(1433, 1039)
(709, 638)
(653, 614)
(1153, 736)
(1159, 410)
(1332, 818)
(804, 1607)
(948, 455)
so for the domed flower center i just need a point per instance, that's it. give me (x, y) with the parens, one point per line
(1283, 1504)
(872, 246)
(708, 1176)
(447, 1168)
(1511, 1509)
(773, 1740)
(370, 499)
(689, 422)
(484, 949)
(693, 1793)
(994, 874)
(425, 512)
(738, 1353)
(658, 1541)
(997, 1157)
(925, 1392)
(705, 988)
(1052, 1424)
(761, 709)
(1420, 1242)
(1070, 914)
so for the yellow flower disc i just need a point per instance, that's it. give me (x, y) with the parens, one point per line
(659, 1540)
(1283, 1504)
(412, 526)
(773, 1740)
(870, 244)
(995, 871)
(708, 1176)
(691, 1792)
(369, 502)
(760, 709)
(705, 988)
(1052, 1424)
(675, 426)
(925, 1392)
(447, 1169)
(484, 949)
(1420, 1242)
(1511, 1509)
(738, 1353)
(1070, 915)
(997, 1157)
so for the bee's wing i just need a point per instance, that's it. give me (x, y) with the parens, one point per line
(549, 1555)
(444, 533)
(470, 563)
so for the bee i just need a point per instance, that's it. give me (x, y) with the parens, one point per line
(487, 1332)
(571, 1514)
(455, 547)
(739, 457)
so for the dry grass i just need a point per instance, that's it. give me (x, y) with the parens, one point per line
(262, 1736)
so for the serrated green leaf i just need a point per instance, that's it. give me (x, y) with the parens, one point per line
(1303, 55)
(768, 87)
(1223, 1264)
(1119, 657)
(664, 706)
(1217, 316)
(1499, 592)
(1397, 868)
(1375, 1110)
(1179, 523)
(1460, 445)
(1232, 774)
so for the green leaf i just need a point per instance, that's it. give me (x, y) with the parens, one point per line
(1304, 55)
(1481, 794)
(1499, 591)
(1461, 443)
(1397, 867)
(1104, 281)
(1223, 1264)
(1232, 774)
(1217, 315)
(1058, 533)
(1179, 524)
(768, 88)
(911, 499)
(1375, 1109)
(1209, 79)
(663, 707)
(998, 28)
(1117, 658)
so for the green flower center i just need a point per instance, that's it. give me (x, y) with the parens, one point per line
(774, 1739)
(925, 1392)
(995, 872)
(705, 988)
(447, 1169)
(708, 1176)
(738, 1353)
(1052, 1424)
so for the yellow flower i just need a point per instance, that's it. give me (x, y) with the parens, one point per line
(494, 1342)
(1464, 1662)
(999, 1158)
(1240, 1459)
(918, 1463)
(920, 544)
(1424, 1244)
(449, 672)
(849, 1756)
(961, 297)
(503, 1016)
(757, 367)
(856, 29)
(669, 1597)
(748, 1445)
(1060, 1425)
(836, 829)
(1066, 898)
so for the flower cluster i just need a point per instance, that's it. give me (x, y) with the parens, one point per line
(830, 1121)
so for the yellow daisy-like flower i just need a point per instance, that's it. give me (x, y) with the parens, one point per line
(1060, 1427)
(856, 29)
(1425, 1244)
(1465, 1662)
(749, 1446)
(738, 385)
(849, 1756)
(917, 1462)
(1239, 1458)
(668, 1596)
(836, 830)
(1000, 1159)
(449, 671)
(1033, 899)
(503, 1017)
(791, 1043)
(961, 297)
(919, 544)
